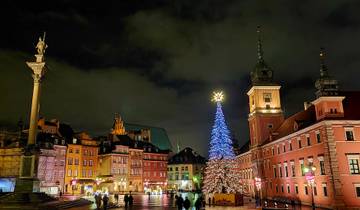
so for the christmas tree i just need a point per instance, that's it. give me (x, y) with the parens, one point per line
(220, 174)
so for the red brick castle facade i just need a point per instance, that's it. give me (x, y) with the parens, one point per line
(325, 137)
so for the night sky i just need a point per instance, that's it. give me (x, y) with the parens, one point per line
(156, 62)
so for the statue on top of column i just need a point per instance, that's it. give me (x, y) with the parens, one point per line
(41, 45)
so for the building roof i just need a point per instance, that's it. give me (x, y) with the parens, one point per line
(187, 156)
(125, 140)
(307, 117)
(159, 136)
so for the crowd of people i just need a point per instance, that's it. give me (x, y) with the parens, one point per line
(186, 204)
(103, 200)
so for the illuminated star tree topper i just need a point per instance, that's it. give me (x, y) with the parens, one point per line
(218, 97)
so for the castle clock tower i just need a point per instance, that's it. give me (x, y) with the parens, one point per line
(265, 113)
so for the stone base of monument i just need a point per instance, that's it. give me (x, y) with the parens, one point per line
(225, 199)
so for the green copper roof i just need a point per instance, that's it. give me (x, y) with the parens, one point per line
(159, 136)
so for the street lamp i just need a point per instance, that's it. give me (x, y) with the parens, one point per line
(258, 194)
(310, 177)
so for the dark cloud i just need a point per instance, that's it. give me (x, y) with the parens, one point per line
(157, 62)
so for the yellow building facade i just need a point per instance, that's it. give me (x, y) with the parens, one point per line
(185, 171)
(81, 165)
(113, 170)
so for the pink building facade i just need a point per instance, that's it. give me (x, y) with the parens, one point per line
(324, 137)
(59, 166)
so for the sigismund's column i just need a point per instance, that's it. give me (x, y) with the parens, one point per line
(38, 71)
(29, 160)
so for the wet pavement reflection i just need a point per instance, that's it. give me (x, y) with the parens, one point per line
(167, 202)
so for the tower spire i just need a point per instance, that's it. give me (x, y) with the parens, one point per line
(260, 51)
(323, 67)
(118, 126)
(325, 85)
(262, 73)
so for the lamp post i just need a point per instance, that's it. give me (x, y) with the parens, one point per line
(310, 177)
(258, 194)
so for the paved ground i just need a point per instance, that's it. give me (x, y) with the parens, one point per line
(164, 202)
(160, 202)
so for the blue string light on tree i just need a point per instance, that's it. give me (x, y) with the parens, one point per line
(220, 143)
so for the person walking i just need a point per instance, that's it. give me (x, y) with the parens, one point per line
(179, 202)
(98, 200)
(187, 203)
(116, 196)
(209, 200)
(131, 200)
(198, 203)
(176, 200)
(105, 201)
(126, 200)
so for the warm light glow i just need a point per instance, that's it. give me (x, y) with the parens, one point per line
(218, 96)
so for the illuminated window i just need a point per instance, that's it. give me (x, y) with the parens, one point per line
(70, 161)
(267, 97)
(90, 162)
(76, 161)
(84, 163)
(353, 161)
(69, 172)
(301, 161)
